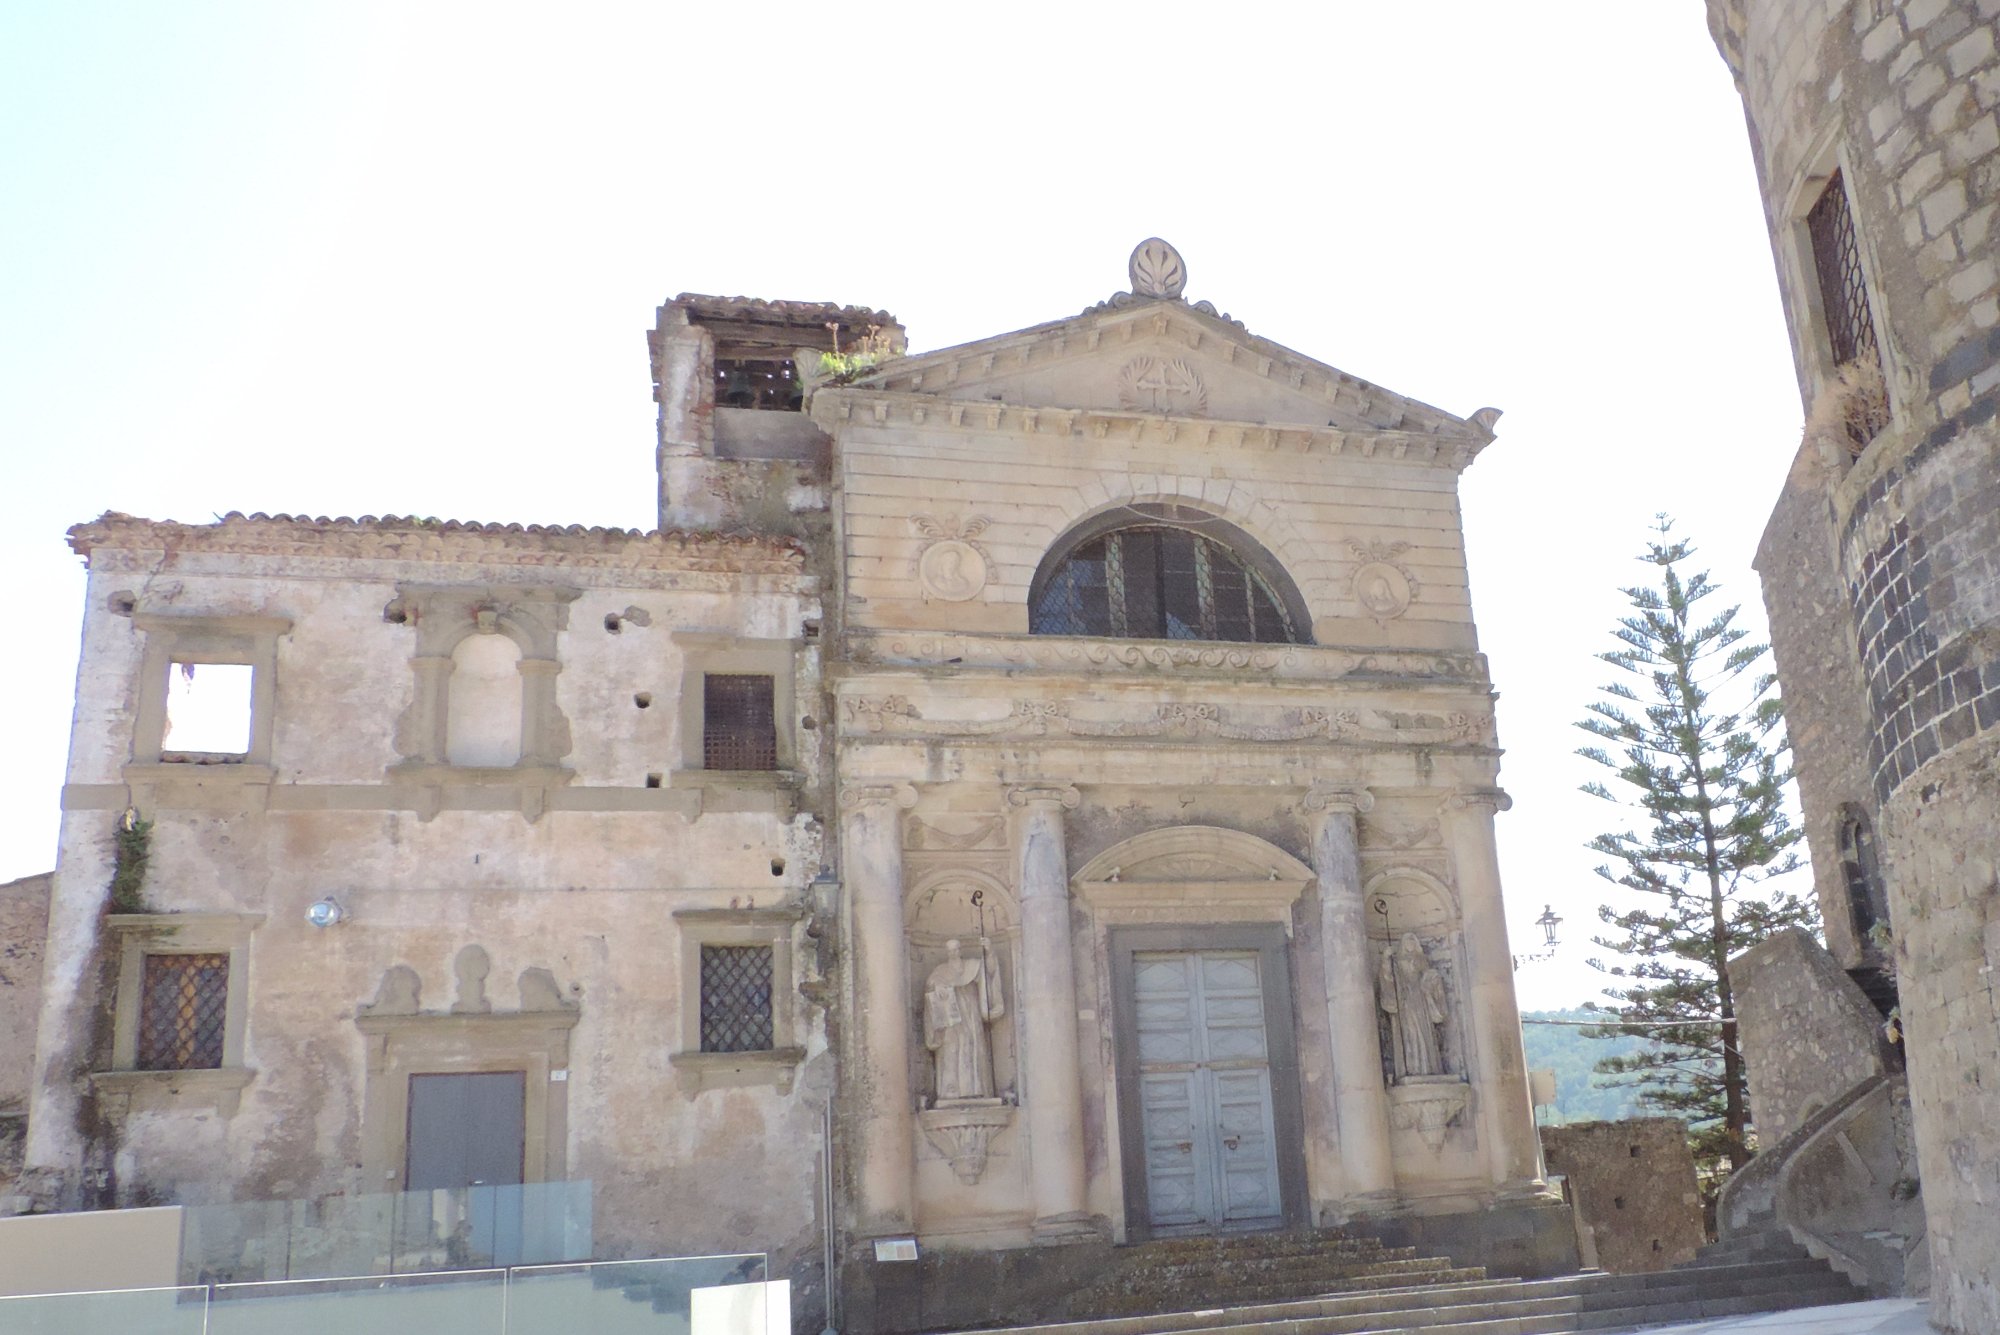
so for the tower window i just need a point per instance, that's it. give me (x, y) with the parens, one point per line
(1157, 582)
(770, 384)
(1865, 900)
(1843, 290)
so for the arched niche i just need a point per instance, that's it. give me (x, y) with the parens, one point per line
(1409, 901)
(483, 702)
(1230, 875)
(972, 907)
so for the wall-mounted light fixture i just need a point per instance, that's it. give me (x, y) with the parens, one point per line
(325, 913)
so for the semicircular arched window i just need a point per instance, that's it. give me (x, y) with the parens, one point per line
(1161, 582)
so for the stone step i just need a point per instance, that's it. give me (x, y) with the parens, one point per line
(1474, 1305)
(1233, 1296)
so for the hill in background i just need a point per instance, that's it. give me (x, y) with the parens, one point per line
(1564, 1048)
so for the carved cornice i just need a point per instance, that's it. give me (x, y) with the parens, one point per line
(1061, 653)
(894, 716)
(406, 538)
(939, 413)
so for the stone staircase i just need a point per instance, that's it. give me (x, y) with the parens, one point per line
(1327, 1283)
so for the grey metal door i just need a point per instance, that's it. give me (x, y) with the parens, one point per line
(465, 1130)
(1205, 1091)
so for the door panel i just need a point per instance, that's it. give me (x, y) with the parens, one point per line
(466, 1129)
(1205, 1089)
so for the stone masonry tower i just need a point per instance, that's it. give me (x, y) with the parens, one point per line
(1876, 130)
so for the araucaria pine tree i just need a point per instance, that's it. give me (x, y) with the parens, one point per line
(1696, 741)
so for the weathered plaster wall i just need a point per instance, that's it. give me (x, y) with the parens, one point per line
(1632, 1185)
(1808, 1034)
(1905, 100)
(427, 864)
(24, 922)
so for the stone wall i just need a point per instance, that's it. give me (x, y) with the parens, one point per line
(541, 915)
(1904, 101)
(1632, 1186)
(24, 923)
(1808, 1034)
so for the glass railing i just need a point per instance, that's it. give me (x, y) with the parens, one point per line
(698, 1295)
(411, 1232)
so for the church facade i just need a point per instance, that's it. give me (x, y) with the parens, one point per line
(1038, 792)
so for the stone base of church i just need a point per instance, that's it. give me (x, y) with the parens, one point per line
(1527, 1239)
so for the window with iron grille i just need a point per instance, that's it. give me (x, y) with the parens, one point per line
(183, 1003)
(1843, 289)
(1155, 582)
(736, 998)
(739, 724)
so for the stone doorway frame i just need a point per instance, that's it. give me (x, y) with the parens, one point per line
(1273, 948)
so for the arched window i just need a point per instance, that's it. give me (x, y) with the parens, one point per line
(1177, 576)
(1865, 901)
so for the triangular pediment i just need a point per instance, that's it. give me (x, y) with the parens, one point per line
(1168, 358)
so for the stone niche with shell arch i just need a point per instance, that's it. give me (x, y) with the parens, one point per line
(964, 904)
(1403, 899)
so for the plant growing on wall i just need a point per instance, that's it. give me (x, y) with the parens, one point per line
(132, 848)
(1695, 740)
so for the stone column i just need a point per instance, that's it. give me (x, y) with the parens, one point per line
(1514, 1147)
(881, 1104)
(1360, 1100)
(1046, 989)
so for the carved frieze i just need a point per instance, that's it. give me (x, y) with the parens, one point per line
(1306, 662)
(895, 716)
(1429, 1108)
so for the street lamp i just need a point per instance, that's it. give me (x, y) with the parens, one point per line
(1548, 922)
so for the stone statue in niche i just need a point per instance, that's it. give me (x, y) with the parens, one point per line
(961, 998)
(1413, 996)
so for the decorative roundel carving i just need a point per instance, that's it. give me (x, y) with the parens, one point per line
(951, 571)
(1162, 385)
(1157, 270)
(1383, 590)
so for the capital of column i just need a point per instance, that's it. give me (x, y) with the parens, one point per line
(861, 796)
(1490, 799)
(1331, 797)
(1041, 794)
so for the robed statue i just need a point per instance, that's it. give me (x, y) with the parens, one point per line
(1413, 995)
(961, 998)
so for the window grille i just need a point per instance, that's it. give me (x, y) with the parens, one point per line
(181, 1011)
(1843, 289)
(736, 998)
(1153, 582)
(771, 385)
(739, 722)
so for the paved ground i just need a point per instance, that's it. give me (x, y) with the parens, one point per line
(1889, 1316)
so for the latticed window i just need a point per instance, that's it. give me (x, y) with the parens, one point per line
(1156, 582)
(739, 727)
(736, 998)
(183, 1003)
(1843, 288)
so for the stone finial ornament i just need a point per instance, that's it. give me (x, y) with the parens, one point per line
(471, 967)
(1158, 272)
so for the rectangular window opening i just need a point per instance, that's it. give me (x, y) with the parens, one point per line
(183, 1003)
(1850, 325)
(739, 722)
(736, 998)
(208, 711)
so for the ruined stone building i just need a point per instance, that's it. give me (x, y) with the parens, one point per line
(1047, 783)
(1875, 128)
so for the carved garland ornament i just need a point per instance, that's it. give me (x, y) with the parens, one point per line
(895, 715)
(1384, 586)
(951, 568)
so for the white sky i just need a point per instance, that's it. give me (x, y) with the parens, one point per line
(335, 258)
